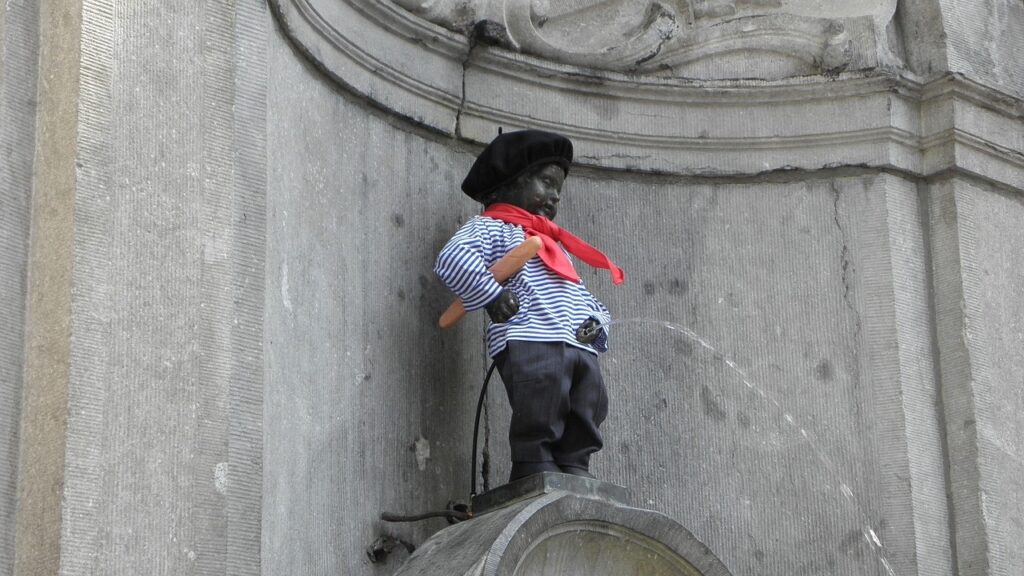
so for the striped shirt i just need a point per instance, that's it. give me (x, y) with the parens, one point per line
(551, 308)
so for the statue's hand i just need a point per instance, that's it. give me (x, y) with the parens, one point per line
(588, 331)
(504, 307)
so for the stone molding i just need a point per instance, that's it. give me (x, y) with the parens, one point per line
(880, 119)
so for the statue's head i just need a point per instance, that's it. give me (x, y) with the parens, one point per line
(525, 169)
(537, 191)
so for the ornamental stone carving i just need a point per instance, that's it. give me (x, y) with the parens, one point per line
(707, 39)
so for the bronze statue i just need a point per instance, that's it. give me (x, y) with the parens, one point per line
(546, 329)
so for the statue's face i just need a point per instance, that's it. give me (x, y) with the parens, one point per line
(537, 192)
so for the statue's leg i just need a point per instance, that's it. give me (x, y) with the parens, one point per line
(588, 407)
(537, 379)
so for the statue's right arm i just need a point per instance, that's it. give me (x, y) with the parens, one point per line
(462, 266)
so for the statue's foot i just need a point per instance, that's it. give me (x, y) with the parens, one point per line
(524, 469)
(577, 471)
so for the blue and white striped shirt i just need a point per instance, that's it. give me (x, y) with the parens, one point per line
(551, 308)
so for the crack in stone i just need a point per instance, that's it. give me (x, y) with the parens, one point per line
(651, 55)
(616, 156)
(462, 100)
(847, 270)
(474, 42)
(483, 33)
(844, 253)
(664, 37)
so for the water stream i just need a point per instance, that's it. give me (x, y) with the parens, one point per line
(869, 533)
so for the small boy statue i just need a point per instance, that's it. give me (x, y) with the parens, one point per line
(546, 328)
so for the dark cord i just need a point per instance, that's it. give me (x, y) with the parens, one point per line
(476, 427)
(457, 515)
(453, 514)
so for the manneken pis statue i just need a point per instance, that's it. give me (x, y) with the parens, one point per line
(546, 329)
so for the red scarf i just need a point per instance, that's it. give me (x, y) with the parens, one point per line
(550, 234)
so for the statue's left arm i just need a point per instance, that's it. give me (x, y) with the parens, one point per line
(594, 331)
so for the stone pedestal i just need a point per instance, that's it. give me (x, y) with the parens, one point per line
(554, 524)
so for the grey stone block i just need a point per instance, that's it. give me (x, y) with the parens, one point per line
(985, 41)
(368, 406)
(163, 169)
(976, 247)
(19, 57)
(48, 299)
(816, 290)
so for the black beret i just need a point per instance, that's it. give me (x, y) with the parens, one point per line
(511, 155)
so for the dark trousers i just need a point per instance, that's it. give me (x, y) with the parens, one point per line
(558, 401)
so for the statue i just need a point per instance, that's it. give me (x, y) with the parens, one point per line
(545, 328)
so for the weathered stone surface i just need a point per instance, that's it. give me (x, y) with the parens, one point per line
(142, 412)
(985, 41)
(977, 242)
(19, 57)
(561, 533)
(367, 407)
(816, 289)
(42, 438)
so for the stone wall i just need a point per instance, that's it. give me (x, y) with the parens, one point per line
(814, 285)
(48, 302)
(794, 233)
(18, 60)
(976, 243)
(219, 223)
(367, 407)
(141, 423)
(165, 387)
(985, 42)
